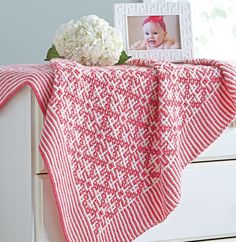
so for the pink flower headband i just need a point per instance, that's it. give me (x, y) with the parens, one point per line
(155, 19)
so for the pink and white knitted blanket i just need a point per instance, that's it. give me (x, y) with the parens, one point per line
(115, 139)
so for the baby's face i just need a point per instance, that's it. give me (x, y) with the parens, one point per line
(154, 35)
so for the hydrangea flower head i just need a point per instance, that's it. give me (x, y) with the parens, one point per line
(89, 41)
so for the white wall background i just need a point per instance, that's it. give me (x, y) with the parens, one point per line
(214, 29)
(27, 27)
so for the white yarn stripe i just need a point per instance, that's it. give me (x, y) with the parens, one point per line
(10, 80)
(59, 193)
(124, 220)
(11, 86)
(175, 172)
(144, 222)
(131, 218)
(217, 107)
(170, 193)
(173, 184)
(155, 201)
(146, 210)
(44, 84)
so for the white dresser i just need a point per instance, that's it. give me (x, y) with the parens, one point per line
(28, 213)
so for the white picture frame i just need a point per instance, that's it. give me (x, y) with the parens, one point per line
(177, 16)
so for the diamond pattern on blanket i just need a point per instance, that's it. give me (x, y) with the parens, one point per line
(119, 130)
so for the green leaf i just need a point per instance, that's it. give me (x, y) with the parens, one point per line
(52, 53)
(123, 58)
(218, 12)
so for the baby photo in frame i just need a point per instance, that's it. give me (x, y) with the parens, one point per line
(160, 30)
(155, 32)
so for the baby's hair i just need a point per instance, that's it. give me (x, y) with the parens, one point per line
(156, 19)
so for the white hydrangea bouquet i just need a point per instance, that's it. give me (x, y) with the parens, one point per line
(89, 41)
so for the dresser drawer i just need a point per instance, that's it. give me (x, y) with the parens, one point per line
(207, 208)
(47, 224)
(16, 211)
(223, 148)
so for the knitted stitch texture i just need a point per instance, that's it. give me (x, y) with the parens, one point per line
(115, 139)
